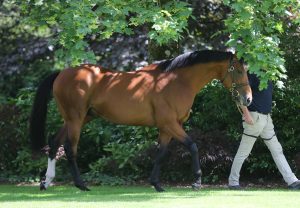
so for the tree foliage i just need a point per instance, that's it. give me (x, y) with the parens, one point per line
(73, 21)
(255, 27)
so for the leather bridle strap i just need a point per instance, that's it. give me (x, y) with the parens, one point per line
(231, 71)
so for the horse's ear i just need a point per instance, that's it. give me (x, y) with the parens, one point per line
(246, 66)
(242, 61)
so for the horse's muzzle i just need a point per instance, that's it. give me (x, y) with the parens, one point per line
(246, 100)
(241, 99)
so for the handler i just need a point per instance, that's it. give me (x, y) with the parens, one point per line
(257, 122)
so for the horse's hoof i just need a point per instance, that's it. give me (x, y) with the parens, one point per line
(157, 187)
(85, 189)
(42, 186)
(196, 186)
(82, 187)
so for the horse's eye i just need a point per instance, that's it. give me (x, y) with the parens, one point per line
(239, 71)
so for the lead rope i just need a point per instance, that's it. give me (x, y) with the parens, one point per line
(239, 108)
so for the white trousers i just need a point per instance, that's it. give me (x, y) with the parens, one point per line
(264, 128)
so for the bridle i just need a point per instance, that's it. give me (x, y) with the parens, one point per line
(234, 86)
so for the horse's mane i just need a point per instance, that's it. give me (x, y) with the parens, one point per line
(196, 57)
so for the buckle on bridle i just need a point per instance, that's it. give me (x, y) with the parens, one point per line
(235, 93)
(231, 69)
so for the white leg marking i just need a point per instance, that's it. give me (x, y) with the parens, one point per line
(50, 174)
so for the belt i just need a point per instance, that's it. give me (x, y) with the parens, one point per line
(260, 112)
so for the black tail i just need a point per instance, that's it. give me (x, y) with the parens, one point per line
(39, 112)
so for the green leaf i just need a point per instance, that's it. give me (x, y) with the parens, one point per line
(279, 27)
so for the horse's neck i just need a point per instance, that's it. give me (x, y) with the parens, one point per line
(199, 75)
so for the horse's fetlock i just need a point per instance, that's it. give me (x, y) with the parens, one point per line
(196, 186)
(50, 176)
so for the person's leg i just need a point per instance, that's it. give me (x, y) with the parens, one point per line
(243, 152)
(275, 148)
(248, 139)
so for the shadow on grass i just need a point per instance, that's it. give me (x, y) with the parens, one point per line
(10, 193)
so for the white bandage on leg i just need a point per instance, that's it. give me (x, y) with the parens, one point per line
(50, 174)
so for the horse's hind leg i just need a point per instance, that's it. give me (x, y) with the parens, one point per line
(164, 140)
(74, 128)
(53, 145)
(192, 147)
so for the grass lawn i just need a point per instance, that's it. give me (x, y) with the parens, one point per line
(13, 196)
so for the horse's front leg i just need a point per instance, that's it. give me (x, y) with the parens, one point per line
(164, 140)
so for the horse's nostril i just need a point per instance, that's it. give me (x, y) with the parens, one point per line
(249, 101)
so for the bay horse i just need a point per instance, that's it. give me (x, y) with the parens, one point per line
(159, 95)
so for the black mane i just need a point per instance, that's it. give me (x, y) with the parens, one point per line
(196, 57)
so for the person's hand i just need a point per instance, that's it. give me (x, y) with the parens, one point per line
(248, 118)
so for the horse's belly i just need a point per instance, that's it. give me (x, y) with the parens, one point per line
(123, 114)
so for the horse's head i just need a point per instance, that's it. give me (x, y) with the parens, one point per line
(235, 78)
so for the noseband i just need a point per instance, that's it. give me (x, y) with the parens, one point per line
(234, 86)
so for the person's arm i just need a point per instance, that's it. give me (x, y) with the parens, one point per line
(246, 115)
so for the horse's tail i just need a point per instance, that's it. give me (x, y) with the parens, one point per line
(39, 112)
